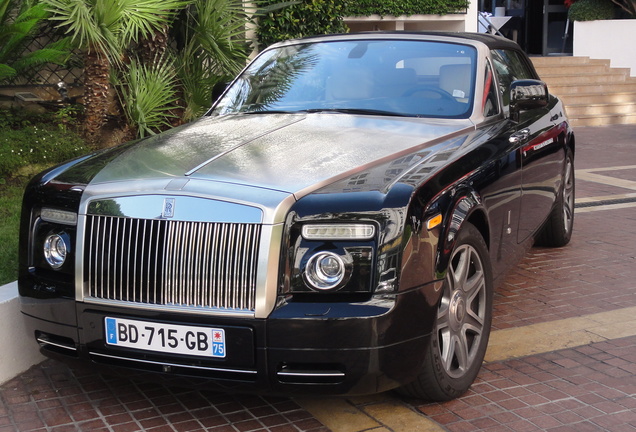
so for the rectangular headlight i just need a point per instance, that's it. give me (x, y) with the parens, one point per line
(338, 231)
(59, 216)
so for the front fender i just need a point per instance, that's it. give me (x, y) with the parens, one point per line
(464, 203)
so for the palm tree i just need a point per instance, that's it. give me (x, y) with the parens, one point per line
(212, 46)
(102, 30)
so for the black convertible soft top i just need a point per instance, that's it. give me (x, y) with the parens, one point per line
(490, 40)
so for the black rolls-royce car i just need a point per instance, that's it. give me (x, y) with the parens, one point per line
(335, 224)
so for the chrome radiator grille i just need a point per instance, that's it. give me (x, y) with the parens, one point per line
(171, 263)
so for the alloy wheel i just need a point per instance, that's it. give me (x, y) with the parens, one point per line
(461, 318)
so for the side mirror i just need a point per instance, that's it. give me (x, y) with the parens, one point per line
(527, 95)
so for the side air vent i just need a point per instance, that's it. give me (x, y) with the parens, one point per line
(58, 344)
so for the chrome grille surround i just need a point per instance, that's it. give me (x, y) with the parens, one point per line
(190, 266)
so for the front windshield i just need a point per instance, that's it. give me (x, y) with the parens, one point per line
(385, 77)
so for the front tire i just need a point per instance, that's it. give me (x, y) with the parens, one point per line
(462, 327)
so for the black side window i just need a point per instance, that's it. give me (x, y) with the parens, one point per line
(510, 66)
(490, 102)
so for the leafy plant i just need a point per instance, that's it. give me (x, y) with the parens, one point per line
(197, 85)
(19, 23)
(211, 47)
(591, 10)
(66, 117)
(31, 139)
(305, 18)
(10, 205)
(403, 7)
(148, 95)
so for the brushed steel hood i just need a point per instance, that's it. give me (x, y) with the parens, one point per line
(281, 152)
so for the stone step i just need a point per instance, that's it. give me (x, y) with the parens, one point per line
(586, 70)
(598, 120)
(590, 88)
(586, 79)
(598, 98)
(581, 110)
(594, 94)
(566, 60)
(583, 69)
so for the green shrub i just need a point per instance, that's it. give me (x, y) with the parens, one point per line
(404, 7)
(304, 18)
(35, 139)
(10, 204)
(17, 118)
(148, 94)
(591, 10)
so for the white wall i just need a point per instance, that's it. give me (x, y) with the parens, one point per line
(18, 349)
(607, 39)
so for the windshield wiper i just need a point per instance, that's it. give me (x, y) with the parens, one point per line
(270, 112)
(358, 111)
(333, 110)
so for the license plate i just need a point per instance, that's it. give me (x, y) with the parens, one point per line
(166, 338)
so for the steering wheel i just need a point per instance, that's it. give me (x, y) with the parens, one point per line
(429, 88)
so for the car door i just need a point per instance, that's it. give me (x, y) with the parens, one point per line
(502, 195)
(535, 137)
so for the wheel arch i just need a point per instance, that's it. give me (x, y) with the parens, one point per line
(570, 142)
(466, 207)
(566, 137)
(479, 221)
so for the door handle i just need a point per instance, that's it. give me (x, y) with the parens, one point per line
(519, 137)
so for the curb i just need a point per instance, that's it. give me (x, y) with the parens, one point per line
(19, 351)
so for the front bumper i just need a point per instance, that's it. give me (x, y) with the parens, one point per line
(321, 348)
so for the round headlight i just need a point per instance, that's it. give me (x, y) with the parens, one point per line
(55, 250)
(325, 270)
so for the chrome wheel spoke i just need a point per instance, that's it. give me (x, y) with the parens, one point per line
(475, 282)
(461, 353)
(474, 322)
(460, 271)
(455, 353)
(443, 320)
(446, 346)
(476, 304)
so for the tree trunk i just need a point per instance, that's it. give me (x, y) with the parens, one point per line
(96, 94)
(154, 46)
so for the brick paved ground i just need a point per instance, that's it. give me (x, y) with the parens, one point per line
(591, 388)
(586, 388)
(595, 273)
(52, 397)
